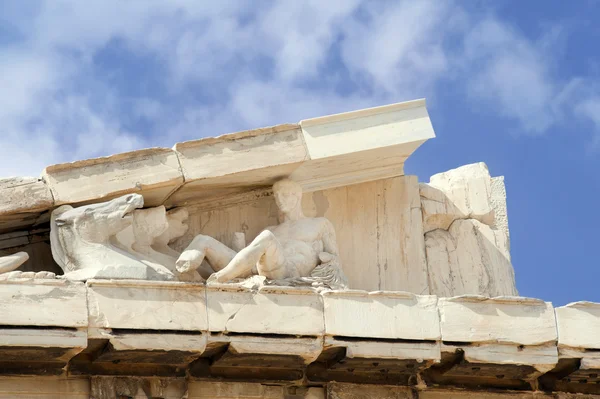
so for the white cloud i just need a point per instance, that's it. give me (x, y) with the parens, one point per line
(400, 46)
(512, 74)
(228, 65)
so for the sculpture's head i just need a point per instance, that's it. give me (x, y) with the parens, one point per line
(288, 195)
(149, 223)
(97, 222)
(177, 219)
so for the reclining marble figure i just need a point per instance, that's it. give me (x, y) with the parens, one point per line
(110, 240)
(12, 262)
(292, 249)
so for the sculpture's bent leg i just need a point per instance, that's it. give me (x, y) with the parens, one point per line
(265, 250)
(11, 262)
(216, 253)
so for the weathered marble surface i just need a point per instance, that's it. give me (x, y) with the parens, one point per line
(24, 202)
(146, 305)
(277, 310)
(466, 233)
(381, 314)
(276, 332)
(24, 195)
(154, 173)
(117, 240)
(289, 251)
(27, 302)
(221, 166)
(510, 320)
(579, 325)
(374, 222)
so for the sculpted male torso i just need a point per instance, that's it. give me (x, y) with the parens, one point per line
(291, 249)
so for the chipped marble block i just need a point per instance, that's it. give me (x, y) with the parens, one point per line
(153, 172)
(159, 348)
(117, 240)
(369, 349)
(307, 349)
(162, 342)
(466, 233)
(381, 314)
(47, 345)
(24, 202)
(506, 320)
(146, 305)
(43, 303)
(502, 330)
(269, 310)
(469, 258)
(578, 325)
(463, 193)
(541, 358)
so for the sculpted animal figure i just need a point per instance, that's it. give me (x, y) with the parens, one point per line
(83, 242)
(292, 249)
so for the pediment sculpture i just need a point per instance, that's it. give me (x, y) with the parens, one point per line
(298, 251)
(118, 239)
(114, 240)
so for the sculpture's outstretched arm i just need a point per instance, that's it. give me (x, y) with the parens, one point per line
(216, 253)
(12, 262)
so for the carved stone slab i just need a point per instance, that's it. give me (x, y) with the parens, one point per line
(24, 195)
(148, 305)
(513, 320)
(153, 172)
(579, 325)
(381, 314)
(238, 162)
(271, 310)
(43, 303)
(355, 348)
(22, 202)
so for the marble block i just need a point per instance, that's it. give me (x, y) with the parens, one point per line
(510, 320)
(24, 195)
(271, 310)
(238, 162)
(147, 305)
(154, 172)
(306, 348)
(381, 314)
(42, 303)
(543, 358)
(469, 258)
(420, 351)
(46, 338)
(467, 190)
(578, 325)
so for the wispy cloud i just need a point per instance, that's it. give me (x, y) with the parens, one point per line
(186, 69)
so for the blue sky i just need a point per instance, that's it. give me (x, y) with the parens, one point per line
(511, 83)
